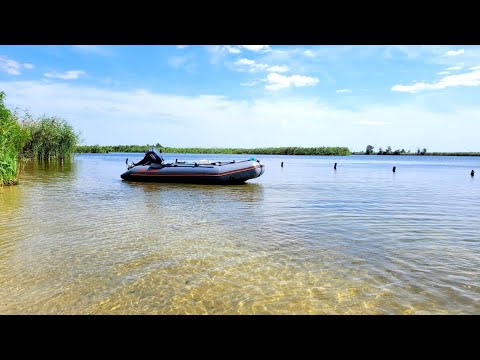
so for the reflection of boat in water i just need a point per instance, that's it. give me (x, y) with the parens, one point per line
(154, 168)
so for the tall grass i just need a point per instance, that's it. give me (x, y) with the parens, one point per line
(49, 138)
(12, 139)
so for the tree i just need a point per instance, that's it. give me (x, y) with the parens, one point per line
(380, 151)
(424, 151)
(418, 151)
(369, 150)
(389, 150)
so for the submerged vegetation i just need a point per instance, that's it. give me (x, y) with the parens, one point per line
(45, 138)
(293, 150)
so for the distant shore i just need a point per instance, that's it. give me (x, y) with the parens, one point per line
(427, 154)
(292, 150)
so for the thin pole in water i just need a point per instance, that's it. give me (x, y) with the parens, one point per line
(335, 166)
(281, 164)
(394, 168)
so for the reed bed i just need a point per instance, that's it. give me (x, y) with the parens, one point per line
(23, 137)
(12, 139)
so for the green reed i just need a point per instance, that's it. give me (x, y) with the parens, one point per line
(12, 139)
(49, 138)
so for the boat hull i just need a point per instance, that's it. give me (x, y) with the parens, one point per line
(213, 173)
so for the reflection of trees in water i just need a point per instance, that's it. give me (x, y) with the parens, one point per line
(48, 171)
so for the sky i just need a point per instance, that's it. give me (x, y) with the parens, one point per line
(403, 96)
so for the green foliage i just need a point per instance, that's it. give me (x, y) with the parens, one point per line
(50, 138)
(263, 151)
(12, 138)
(369, 150)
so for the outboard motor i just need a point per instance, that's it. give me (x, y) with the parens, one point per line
(152, 156)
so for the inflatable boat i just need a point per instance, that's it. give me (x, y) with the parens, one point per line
(154, 168)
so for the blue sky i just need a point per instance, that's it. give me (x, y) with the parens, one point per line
(253, 95)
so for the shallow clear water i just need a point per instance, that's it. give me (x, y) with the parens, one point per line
(302, 239)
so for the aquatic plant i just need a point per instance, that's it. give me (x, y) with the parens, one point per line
(49, 138)
(12, 139)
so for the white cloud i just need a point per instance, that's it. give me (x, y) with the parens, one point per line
(249, 65)
(454, 52)
(443, 73)
(233, 49)
(67, 75)
(278, 68)
(278, 82)
(475, 68)
(182, 46)
(93, 49)
(256, 48)
(13, 67)
(343, 91)
(466, 79)
(456, 67)
(107, 116)
(309, 53)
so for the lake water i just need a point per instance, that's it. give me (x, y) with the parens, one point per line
(302, 239)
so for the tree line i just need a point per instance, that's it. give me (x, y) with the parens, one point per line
(370, 150)
(292, 150)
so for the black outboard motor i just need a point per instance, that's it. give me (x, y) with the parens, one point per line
(152, 156)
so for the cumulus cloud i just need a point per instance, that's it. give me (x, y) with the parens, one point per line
(107, 116)
(67, 75)
(443, 73)
(471, 78)
(343, 91)
(13, 67)
(232, 49)
(454, 52)
(249, 65)
(256, 48)
(278, 68)
(278, 82)
(182, 46)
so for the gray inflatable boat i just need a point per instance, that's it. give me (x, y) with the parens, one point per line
(154, 168)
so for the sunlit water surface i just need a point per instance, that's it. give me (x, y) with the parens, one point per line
(302, 239)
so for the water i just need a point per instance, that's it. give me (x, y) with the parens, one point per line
(302, 239)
